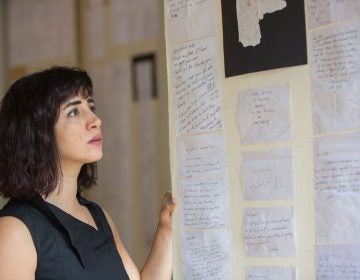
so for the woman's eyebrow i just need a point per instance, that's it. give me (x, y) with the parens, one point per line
(73, 103)
(77, 102)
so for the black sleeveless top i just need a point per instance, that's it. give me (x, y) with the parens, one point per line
(67, 248)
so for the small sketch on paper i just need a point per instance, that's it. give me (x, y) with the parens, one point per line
(267, 175)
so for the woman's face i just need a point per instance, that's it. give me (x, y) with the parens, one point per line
(78, 132)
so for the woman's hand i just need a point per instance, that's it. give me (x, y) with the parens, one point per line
(167, 210)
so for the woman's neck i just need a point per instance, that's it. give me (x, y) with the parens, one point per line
(64, 195)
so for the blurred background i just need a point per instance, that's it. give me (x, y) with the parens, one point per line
(121, 44)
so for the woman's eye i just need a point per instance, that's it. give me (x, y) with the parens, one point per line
(93, 108)
(73, 113)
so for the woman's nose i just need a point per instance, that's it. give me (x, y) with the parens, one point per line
(94, 121)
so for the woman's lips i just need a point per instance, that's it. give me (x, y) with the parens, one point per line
(97, 141)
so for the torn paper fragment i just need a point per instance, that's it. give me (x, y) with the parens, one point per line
(269, 7)
(248, 23)
(249, 13)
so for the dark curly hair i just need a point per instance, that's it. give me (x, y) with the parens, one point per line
(29, 160)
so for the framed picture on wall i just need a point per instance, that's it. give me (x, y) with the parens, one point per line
(263, 35)
(144, 77)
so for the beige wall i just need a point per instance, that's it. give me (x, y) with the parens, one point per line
(134, 214)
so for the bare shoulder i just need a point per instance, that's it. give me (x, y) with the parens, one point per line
(13, 230)
(114, 230)
(111, 224)
(108, 218)
(17, 249)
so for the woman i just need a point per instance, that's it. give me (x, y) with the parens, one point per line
(50, 139)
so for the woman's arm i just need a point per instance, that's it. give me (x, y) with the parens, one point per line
(18, 258)
(158, 265)
(129, 265)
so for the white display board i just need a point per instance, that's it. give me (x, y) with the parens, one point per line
(283, 158)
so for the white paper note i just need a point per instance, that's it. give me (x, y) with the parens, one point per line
(202, 156)
(270, 273)
(191, 19)
(204, 202)
(269, 232)
(338, 262)
(268, 175)
(321, 12)
(263, 115)
(206, 254)
(249, 14)
(337, 186)
(202, 181)
(345, 9)
(195, 84)
(335, 75)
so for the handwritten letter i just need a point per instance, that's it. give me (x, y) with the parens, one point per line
(201, 156)
(264, 115)
(191, 19)
(195, 84)
(179, 8)
(202, 180)
(338, 262)
(269, 232)
(206, 255)
(319, 12)
(204, 203)
(328, 11)
(335, 72)
(337, 185)
(345, 9)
